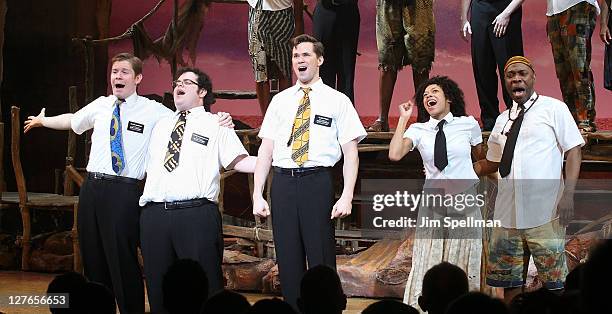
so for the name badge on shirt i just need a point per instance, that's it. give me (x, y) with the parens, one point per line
(203, 140)
(135, 127)
(322, 120)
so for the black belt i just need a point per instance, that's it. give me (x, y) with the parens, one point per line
(183, 204)
(299, 172)
(110, 177)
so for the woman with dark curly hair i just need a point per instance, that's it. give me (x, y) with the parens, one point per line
(446, 143)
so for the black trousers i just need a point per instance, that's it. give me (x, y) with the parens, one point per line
(490, 53)
(108, 233)
(303, 230)
(337, 27)
(167, 235)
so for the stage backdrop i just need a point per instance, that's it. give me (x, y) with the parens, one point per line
(222, 53)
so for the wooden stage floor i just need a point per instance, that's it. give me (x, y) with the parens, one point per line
(30, 283)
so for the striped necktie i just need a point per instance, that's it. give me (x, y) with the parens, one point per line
(300, 132)
(174, 145)
(116, 141)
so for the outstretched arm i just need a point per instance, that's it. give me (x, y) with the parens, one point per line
(61, 122)
(244, 163)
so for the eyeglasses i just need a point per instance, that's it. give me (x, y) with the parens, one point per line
(185, 82)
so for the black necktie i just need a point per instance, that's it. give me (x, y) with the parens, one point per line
(508, 154)
(440, 157)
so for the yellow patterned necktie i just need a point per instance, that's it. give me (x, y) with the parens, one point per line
(300, 133)
(174, 145)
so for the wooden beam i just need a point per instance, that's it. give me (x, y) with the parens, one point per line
(262, 234)
(73, 175)
(72, 141)
(230, 1)
(234, 94)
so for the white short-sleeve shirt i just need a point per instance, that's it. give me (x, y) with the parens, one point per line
(333, 123)
(272, 5)
(557, 6)
(529, 195)
(461, 134)
(138, 117)
(206, 147)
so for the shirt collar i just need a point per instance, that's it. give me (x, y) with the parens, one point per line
(433, 123)
(196, 110)
(527, 104)
(314, 86)
(130, 99)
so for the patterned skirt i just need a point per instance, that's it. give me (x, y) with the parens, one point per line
(269, 34)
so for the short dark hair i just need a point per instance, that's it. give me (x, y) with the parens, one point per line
(226, 301)
(318, 48)
(134, 61)
(184, 287)
(321, 291)
(477, 303)
(389, 306)
(451, 90)
(442, 284)
(204, 82)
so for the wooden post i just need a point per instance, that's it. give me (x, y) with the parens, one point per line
(89, 83)
(2, 182)
(173, 66)
(71, 151)
(3, 9)
(75, 242)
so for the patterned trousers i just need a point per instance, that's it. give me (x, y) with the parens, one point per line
(570, 34)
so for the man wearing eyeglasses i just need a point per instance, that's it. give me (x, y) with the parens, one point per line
(180, 218)
(108, 220)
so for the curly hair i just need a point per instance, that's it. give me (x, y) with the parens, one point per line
(204, 82)
(451, 90)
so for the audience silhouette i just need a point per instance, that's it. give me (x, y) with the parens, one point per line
(389, 307)
(321, 292)
(444, 291)
(226, 302)
(477, 303)
(185, 287)
(442, 284)
(271, 306)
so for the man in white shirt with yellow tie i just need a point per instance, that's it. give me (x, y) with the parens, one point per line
(306, 130)
(180, 218)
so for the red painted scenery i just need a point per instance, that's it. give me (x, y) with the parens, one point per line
(222, 53)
